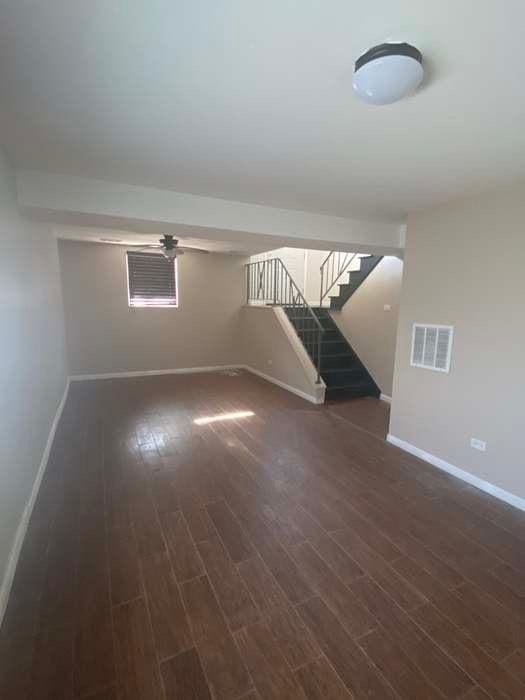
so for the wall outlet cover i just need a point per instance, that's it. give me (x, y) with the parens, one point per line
(480, 445)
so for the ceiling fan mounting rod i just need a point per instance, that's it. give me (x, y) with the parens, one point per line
(168, 242)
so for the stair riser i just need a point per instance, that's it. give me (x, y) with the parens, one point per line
(354, 281)
(368, 264)
(337, 362)
(349, 377)
(331, 348)
(349, 393)
(331, 336)
(327, 336)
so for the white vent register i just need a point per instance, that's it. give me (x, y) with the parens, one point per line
(431, 347)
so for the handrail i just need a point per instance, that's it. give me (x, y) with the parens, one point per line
(332, 267)
(269, 282)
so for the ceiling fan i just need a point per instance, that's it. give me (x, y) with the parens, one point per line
(169, 246)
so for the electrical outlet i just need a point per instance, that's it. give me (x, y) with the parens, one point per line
(478, 444)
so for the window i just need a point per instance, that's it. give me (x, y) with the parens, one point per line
(152, 280)
(432, 347)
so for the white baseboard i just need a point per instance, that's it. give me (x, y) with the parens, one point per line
(5, 586)
(486, 486)
(308, 397)
(385, 397)
(195, 370)
(151, 372)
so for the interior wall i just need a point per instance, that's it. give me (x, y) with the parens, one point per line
(464, 267)
(105, 335)
(369, 327)
(271, 347)
(293, 259)
(312, 285)
(32, 356)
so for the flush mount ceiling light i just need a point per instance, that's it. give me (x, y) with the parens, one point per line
(387, 73)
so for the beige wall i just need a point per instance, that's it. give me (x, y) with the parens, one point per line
(369, 328)
(312, 286)
(32, 357)
(104, 335)
(464, 267)
(271, 346)
(292, 258)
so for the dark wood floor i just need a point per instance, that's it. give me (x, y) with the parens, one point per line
(290, 554)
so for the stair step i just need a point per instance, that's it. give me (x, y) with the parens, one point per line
(305, 324)
(350, 392)
(329, 335)
(369, 262)
(333, 347)
(338, 361)
(300, 317)
(344, 376)
(350, 286)
(302, 321)
(333, 334)
(321, 311)
(355, 279)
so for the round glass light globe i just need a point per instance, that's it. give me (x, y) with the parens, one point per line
(387, 79)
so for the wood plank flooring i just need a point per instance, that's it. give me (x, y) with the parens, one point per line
(292, 553)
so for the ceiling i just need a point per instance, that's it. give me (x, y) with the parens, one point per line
(125, 237)
(252, 101)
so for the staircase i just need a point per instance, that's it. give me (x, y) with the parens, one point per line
(341, 369)
(354, 280)
(345, 376)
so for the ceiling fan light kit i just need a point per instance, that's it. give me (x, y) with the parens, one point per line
(388, 72)
(171, 253)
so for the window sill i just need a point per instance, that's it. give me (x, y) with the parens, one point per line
(133, 307)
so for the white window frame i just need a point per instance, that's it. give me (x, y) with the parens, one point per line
(174, 306)
(437, 327)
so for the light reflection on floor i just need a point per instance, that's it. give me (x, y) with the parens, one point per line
(223, 416)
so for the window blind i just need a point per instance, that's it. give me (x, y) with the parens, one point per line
(151, 280)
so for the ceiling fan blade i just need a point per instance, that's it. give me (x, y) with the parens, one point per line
(144, 248)
(185, 249)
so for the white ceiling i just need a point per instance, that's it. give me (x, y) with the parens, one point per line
(252, 101)
(133, 238)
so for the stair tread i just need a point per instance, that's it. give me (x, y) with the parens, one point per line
(363, 385)
(340, 354)
(343, 369)
(305, 317)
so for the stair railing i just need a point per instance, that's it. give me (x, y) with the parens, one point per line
(333, 266)
(269, 282)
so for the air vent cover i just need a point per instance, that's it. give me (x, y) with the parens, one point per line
(431, 346)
